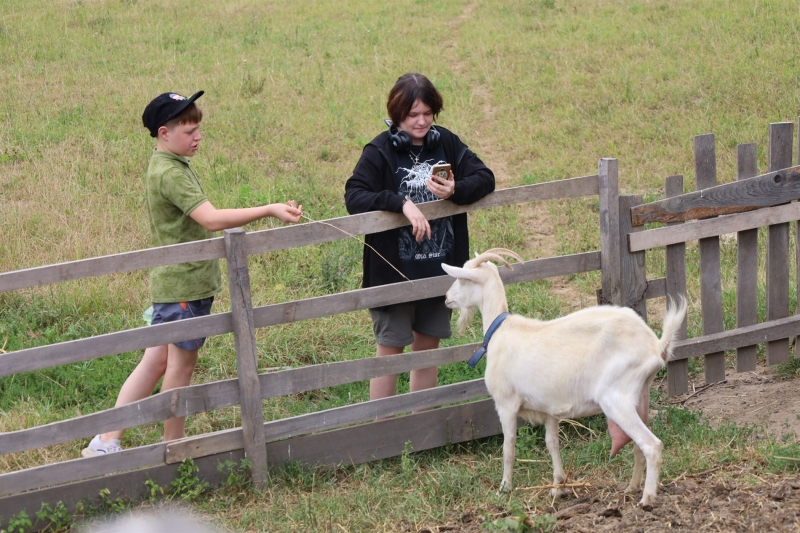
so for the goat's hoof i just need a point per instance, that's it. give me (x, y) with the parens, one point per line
(647, 502)
(559, 493)
(632, 488)
(504, 488)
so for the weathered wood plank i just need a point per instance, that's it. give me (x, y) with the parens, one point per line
(285, 237)
(656, 288)
(339, 228)
(231, 439)
(609, 231)
(654, 238)
(632, 264)
(63, 353)
(705, 166)
(195, 399)
(79, 469)
(182, 401)
(112, 264)
(728, 340)
(218, 324)
(359, 444)
(244, 333)
(773, 188)
(410, 291)
(780, 154)
(746, 265)
(677, 371)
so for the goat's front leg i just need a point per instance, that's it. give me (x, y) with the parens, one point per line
(553, 446)
(508, 419)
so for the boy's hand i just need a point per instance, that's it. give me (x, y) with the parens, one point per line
(288, 212)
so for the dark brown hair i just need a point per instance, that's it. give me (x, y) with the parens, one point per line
(409, 88)
(190, 115)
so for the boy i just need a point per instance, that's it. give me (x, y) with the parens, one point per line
(179, 212)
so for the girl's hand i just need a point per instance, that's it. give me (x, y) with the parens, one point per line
(419, 224)
(442, 188)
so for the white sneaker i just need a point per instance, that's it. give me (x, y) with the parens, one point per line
(99, 447)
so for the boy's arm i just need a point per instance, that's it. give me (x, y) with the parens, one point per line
(214, 219)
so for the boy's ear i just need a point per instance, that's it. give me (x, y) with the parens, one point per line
(163, 131)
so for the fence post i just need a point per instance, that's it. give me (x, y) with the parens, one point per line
(677, 371)
(255, 449)
(780, 156)
(746, 265)
(632, 265)
(609, 231)
(705, 167)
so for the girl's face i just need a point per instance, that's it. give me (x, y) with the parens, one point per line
(418, 122)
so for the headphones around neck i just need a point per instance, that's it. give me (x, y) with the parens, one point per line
(402, 140)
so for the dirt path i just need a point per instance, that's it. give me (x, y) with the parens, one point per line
(536, 219)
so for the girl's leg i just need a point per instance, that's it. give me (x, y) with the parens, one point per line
(384, 386)
(425, 378)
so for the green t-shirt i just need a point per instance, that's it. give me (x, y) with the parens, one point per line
(173, 191)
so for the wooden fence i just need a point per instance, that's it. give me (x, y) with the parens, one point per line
(345, 435)
(349, 435)
(739, 207)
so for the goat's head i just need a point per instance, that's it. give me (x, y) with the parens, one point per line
(477, 277)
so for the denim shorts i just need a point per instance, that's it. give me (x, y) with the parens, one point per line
(394, 325)
(171, 312)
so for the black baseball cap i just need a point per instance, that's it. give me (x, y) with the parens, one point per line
(164, 108)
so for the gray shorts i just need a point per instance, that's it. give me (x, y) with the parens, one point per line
(394, 325)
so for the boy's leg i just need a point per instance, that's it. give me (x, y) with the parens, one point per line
(141, 382)
(180, 367)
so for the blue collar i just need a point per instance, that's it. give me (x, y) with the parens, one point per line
(486, 338)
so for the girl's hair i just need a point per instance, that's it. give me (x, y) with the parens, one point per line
(190, 115)
(409, 88)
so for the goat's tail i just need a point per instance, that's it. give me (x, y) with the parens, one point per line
(676, 313)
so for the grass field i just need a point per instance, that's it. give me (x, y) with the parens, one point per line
(540, 89)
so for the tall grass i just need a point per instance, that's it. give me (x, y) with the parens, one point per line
(540, 89)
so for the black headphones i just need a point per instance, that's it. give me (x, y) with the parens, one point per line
(402, 140)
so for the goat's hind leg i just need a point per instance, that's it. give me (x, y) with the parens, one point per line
(647, 443)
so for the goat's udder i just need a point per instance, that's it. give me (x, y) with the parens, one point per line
(618, 437)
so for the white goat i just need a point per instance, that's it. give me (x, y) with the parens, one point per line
(599, 359)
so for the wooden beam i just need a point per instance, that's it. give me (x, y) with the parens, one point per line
(355, 445)
(139, 338)
(773, 188)
(286, 236)
(632, 264)
(746, 265)
(780, 155)
(231, 439)
(701, 229)
(244, 334)
(609, 232)
(677, 371)
(728, 340)
(705, 165)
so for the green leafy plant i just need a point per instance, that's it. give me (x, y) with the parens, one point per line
(237, 476)
(109, 504)
(187, 486)
(55, 518)
(154, 490)
(18, 523)
(519, 522)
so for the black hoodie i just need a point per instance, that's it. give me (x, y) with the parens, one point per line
(373, 187)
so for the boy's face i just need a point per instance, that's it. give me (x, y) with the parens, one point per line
(180, 139)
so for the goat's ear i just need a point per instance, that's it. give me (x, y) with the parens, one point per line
(460, 273)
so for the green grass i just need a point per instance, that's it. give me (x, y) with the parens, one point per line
(540, 90)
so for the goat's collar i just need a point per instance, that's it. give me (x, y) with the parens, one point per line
(486, 338)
